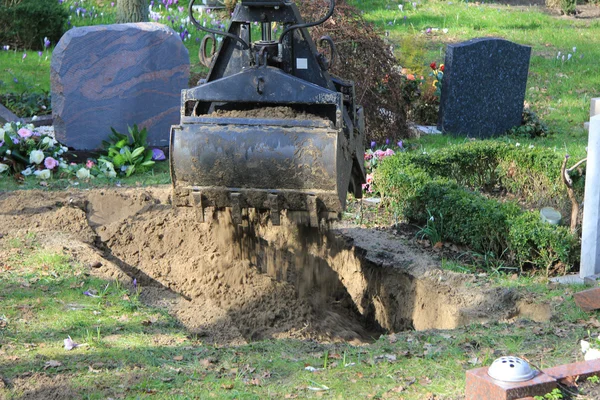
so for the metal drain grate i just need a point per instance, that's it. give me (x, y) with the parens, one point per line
(511, 369)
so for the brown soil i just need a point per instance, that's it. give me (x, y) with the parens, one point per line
(232, 284)
(267, 113)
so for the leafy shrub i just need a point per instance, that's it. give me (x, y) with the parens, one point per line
(488, 226)
(419, 186)
(469, 217)
(26, 23)
(398, 180)
(531, 126)
(126, 155)
(364, 56)
(533, 173)
(540, 244)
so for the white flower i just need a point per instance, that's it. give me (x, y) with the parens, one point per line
(517, 144)
(43, 174)
(8, 152)
(111, 174)
(62, 165)
(31, 127)
(7, 127)
(431, 218)
(83, 173)
(531, 146)
(49, 140)
(64, 149)
(36, 156)
(574, 49)
(3, 167)
(27, 171)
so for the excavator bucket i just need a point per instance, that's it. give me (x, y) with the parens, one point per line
(269, 128)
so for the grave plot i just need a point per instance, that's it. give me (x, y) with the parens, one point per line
(237, 285)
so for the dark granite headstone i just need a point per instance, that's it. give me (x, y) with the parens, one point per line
(116, 76)
(483, 87)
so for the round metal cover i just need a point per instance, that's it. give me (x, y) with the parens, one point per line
(511, 369)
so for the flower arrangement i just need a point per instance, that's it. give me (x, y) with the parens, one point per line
(438, 75)
(373, 156)
(26, 151)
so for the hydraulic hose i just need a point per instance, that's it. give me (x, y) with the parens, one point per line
(214, 31)
(309, 24)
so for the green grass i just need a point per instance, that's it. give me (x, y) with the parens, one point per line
(124, 355)
(558, 91)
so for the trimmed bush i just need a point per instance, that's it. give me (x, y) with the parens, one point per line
(540, 244)
(419, 186)
(24, 24)
(471, 219)
(534, 175)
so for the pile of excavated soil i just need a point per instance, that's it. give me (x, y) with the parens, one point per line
(234, 284)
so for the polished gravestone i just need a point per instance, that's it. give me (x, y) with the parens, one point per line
(117, 76)
(483, 87)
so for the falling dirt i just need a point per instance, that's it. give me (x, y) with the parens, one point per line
(235, 284)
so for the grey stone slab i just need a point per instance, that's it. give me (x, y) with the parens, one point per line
(116, 76)
(7, 116)
(483, 87)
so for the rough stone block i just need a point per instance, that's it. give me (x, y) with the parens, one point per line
(481, 386)
(116, 76)
(483, 87)
(588, 300)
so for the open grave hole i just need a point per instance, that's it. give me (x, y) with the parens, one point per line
(231, 284)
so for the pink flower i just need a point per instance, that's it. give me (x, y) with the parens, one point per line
(368, 156)
(389, 152)
(24, 133)
(379, 154)
(369, 179)
(89, 164)
(50, 163)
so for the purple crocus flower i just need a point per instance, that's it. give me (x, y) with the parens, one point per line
(373, 144)
(40, 53)
(46, 42)
(387, 141)
(24, 56)
(135, 283)
(158, 155)
(400, 144)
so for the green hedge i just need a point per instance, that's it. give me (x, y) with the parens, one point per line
(447, 184)
(469, 217)
(26, 23)
(532, 174)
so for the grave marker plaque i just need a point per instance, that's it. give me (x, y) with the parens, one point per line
(483, 87)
